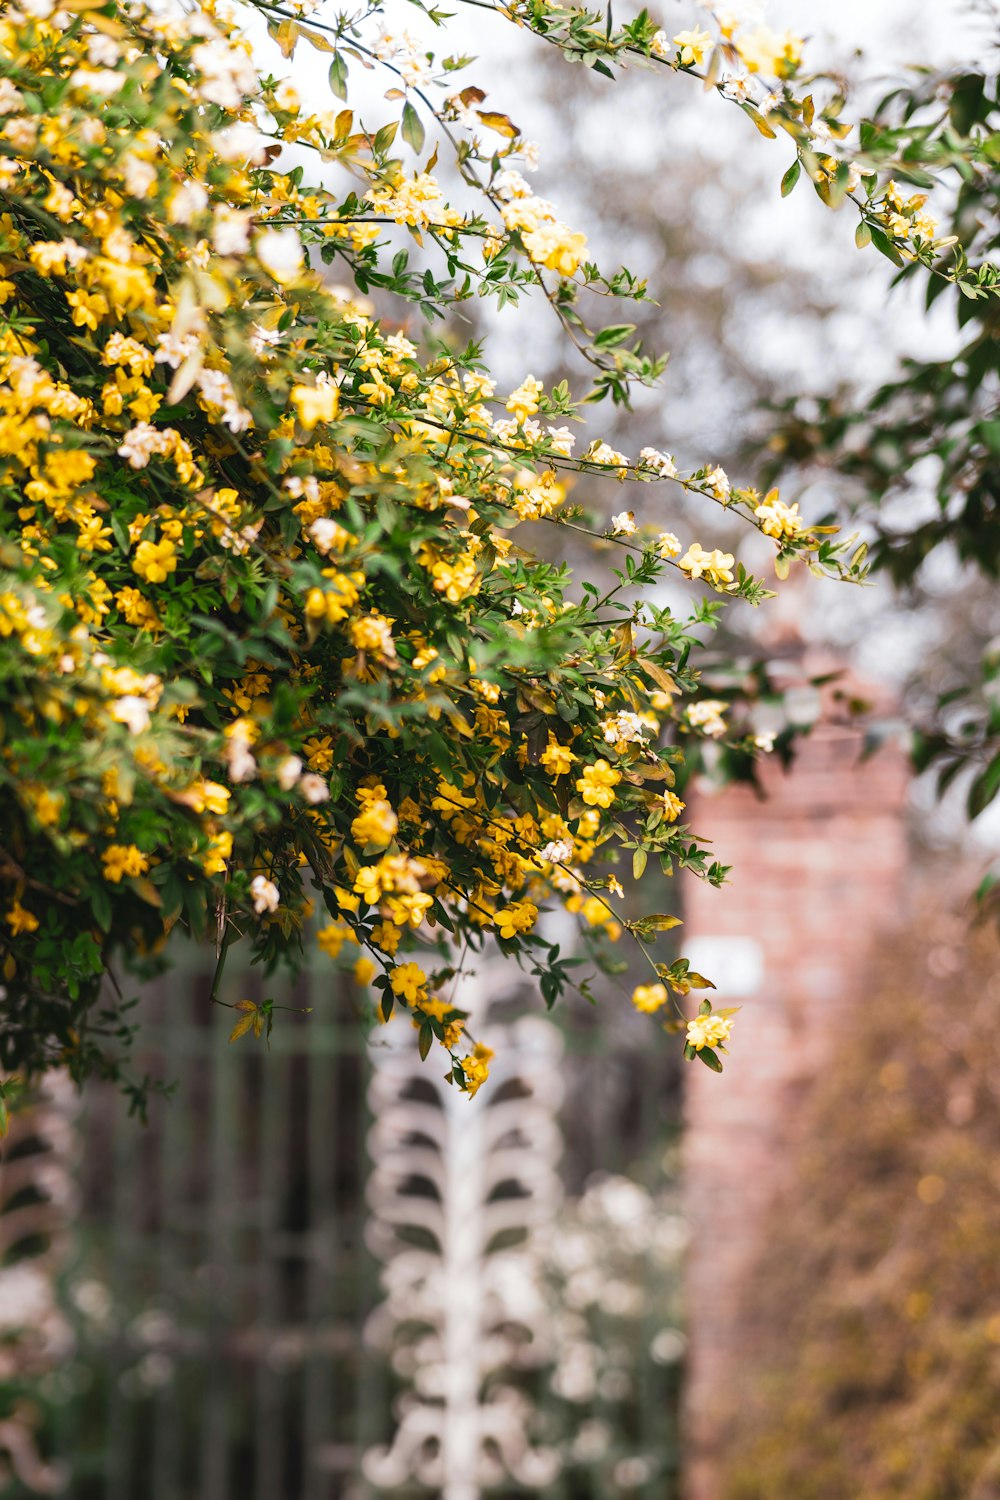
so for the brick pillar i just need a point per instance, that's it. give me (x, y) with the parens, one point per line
(818, 874)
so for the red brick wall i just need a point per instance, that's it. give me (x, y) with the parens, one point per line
(819, 872)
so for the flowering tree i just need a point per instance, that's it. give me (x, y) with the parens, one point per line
(933, 431)
(273, 630)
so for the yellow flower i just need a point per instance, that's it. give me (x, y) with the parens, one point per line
(319, 753)
(519, 916)
(672, 807)
(376, 824)
(346, 901)
(407, 981)
(477, 1068)
(154, 560)
(557, 759)
(386, 936)
(208, 796)
(409, 909)
(778, 519)
(315, 403)
(692, 46)
(123, 859)
(220, 847)
(19, 919)
(596, 785)
(436, 1009)
(453, 1032)
(333, 937)
(764, 51)
(649, 997)
(364, 971)
(709, 1031)
(715, 566)
(524, 401)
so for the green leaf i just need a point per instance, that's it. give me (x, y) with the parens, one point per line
(638, 863)
(710, 1059)
(984, 788)
(100, 905)
(338, 76)
(790, 178)
(614, 334)
(885, 246)
(384, 138)
(698, 981)
(862, 235)
(413, 128)
(424, 1040)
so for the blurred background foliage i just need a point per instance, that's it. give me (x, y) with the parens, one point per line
(876, 1313)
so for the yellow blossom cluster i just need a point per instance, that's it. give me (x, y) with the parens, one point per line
(273, 639)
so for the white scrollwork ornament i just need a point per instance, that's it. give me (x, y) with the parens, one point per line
(458, 1189)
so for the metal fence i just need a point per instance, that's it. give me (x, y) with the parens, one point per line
(226, 1280)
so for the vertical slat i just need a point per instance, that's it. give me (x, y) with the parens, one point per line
(218, 1265)
(173, 1259)
(372, 1392)
(272, 1157)
(319, 1040)
(119, 1437)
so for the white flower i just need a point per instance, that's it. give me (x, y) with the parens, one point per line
(241, 541)
(561, 441)
(327, 534)
(668, 545)
(510, 184)
(132, 711)
(707, 715)
(240, 143)
(718, 481)
(463, 113)
(286, 97)
(603, 453)
(11, 99)
(557, 852)
(142, 441)
(263, 340)
(241, 764)
(623, 524)
(313, 788)
(173, 351)
(265, 893)
(227, 73)
(478, 384)
(140, 176)
(231, 231)
(100, 81)
(280, 253)
(186, 203)
(628, 728)
(505, 431)
(288, 772)
(735, 88)
(102, 51)
(662, 463)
